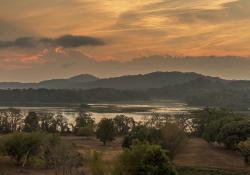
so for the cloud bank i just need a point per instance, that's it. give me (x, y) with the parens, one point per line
(66, 41)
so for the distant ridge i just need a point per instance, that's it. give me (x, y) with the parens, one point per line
(86, 81)
(191, 88)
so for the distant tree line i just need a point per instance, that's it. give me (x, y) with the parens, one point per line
(67, 96)
(196, 94)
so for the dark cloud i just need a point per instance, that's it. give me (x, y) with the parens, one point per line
(66, 41)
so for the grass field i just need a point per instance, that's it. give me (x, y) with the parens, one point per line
(196, 158)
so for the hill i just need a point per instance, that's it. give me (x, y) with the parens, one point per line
(85, 81)
(194, 89)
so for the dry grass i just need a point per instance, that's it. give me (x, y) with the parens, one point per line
(195, 153)
(198, 153)
(109, 152)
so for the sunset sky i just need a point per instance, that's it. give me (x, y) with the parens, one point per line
(44, 33)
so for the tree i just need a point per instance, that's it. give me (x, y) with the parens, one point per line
(173, 138)
(144, 159)
(61, 123)
(31, 122)
(244, 148)
(231, 134)
(10, 120)
(84, 121)
(213, 128)
(21, 146)
(105, 130)
(203, 117)
(156, 120)
(123, 124)
(48, 123)
(142, 134)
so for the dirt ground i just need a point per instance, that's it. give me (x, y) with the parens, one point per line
(195, 153)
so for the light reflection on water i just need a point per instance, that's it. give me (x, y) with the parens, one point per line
(71, 113)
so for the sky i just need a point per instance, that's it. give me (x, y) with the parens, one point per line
(62, 35)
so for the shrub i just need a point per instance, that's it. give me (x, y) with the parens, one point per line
(231, 134)
(144, 159)
(21, 146)
(244, 148)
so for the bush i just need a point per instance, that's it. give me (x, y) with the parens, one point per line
(21, 146)
(244, 148)
(231, 134)
(144, 159)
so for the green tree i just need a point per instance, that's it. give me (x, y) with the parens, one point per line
(142, 134)
(21, 146)
(203, 117)
(31, 122)
(231, 134)
(84, 122)
(244, 148)
(144, 159)
(123, 124)
(105, 130)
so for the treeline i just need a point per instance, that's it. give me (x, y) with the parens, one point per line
(12, 120)
(235, 99)
(205, 91)
(56, 97)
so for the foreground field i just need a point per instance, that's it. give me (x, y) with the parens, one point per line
(201, 158)
(198, 153)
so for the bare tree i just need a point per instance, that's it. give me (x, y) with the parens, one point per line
(11, 120)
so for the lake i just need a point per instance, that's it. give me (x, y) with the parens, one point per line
(137, 110)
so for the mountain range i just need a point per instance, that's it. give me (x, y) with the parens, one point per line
(191, 88)
(86, 81)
